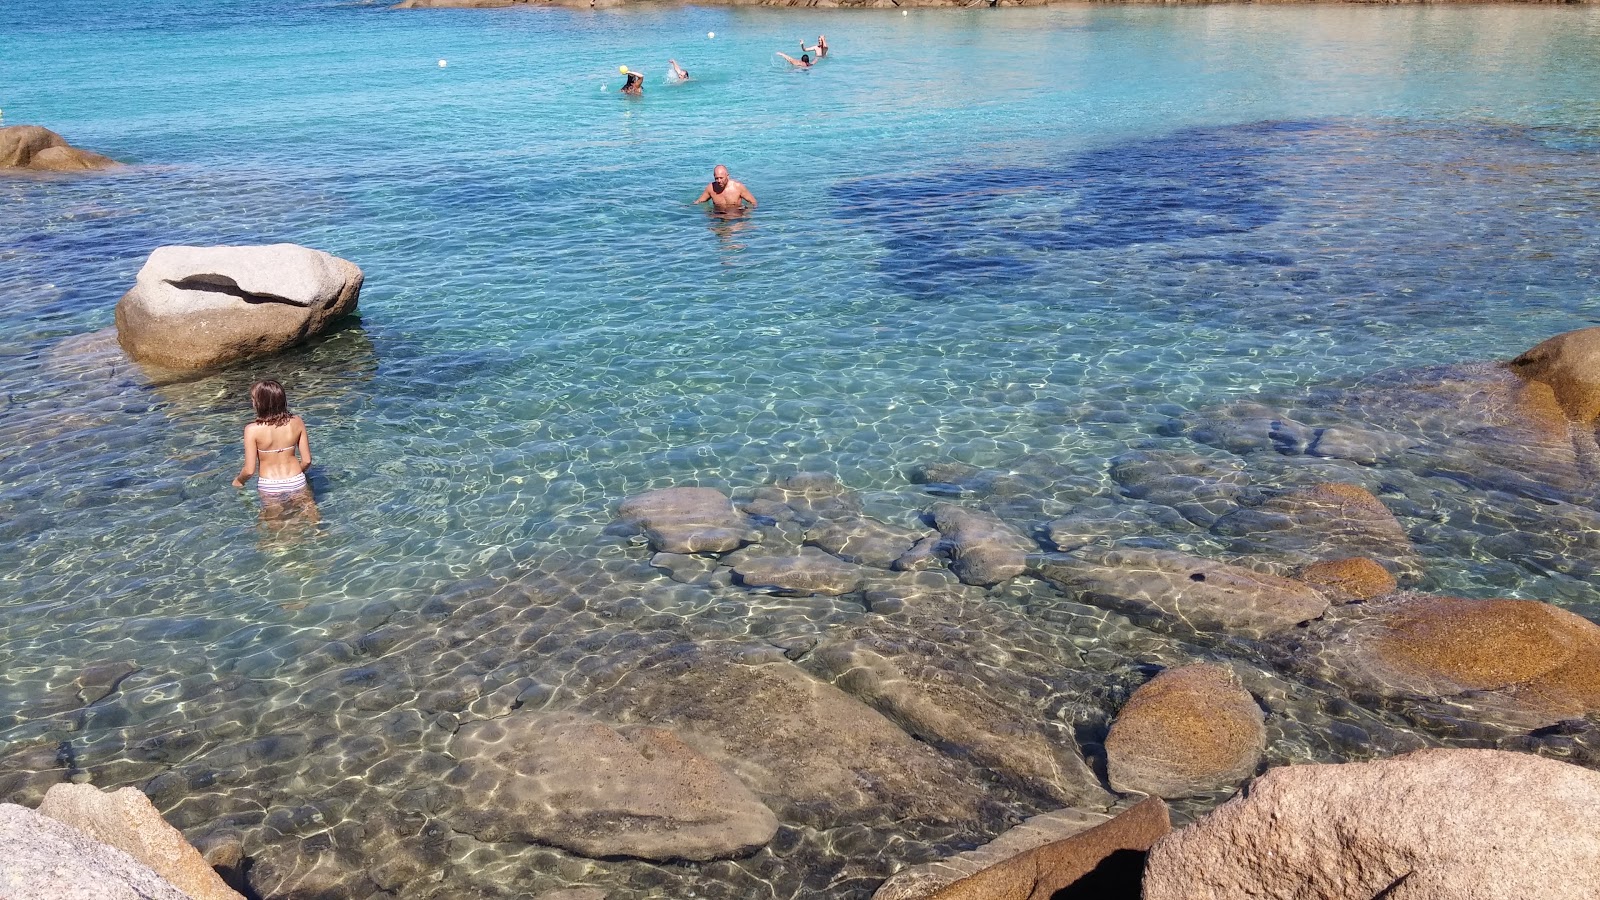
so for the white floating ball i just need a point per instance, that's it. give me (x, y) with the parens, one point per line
(711, 34)
(442, 64)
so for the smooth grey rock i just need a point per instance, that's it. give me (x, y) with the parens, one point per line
(811, 572)
(865, 541)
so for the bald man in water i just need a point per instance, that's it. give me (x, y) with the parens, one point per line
(725, 194)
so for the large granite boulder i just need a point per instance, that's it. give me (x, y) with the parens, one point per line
(1430, 825)
(687, 520)
(1523, 661)
(571, 781)
(1568, 365)
(126, 820)
(984, 550)
(37, 149)
(1186, 732)
(1182, 593)
(1101, 861)
(202, 307)
(43, 858)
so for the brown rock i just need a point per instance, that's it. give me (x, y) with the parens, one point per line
(1430, 825)
(1310, 524)
(40, 149)
(1184, 593)
(1355, 577)
(1104, 861)
(918, 882)
(1569, 365)
(1186, 732)
(864, 540)
(202, 307)
(125, 820)
(687, 520)
(571, 781)
(1530, 662)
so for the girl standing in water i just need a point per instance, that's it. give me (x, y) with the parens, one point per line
(272, 442)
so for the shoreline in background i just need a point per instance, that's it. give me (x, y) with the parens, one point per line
(929, 4)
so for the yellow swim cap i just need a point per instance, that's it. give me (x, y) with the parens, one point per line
(622, 69)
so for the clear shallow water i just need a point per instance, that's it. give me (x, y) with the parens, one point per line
(981, 236)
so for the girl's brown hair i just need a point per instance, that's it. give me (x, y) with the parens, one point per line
(272, 405)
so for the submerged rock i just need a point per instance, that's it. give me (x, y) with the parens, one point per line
(38, 149)
(865, 540)
(125, 820)
(1201, 490)
(811, 572)
(1354, 578)
(571, 781)
(1568, 365)
(202, 307)
(1104, 860)
(984, 550)
(687, 520)
(46, 858)
(808, 498)
(1186, 732)
(1430, 825)
(813, 753)
(1320, 522)
(1184, 593)
(1527, 661)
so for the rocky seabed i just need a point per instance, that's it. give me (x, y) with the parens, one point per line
(784, 692)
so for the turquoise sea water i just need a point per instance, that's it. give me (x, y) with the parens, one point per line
(982, 235)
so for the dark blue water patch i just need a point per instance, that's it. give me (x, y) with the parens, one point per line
(986, 223)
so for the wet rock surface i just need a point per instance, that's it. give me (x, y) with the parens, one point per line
(1352, 578)
(37, 149)
(1187, 731)
(573, 782)
(1434, 824)
(809, 572)
(1320, 522)
(1525, 661)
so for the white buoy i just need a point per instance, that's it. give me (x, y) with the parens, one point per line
(711, 34)
(442, 64)
(904, 13)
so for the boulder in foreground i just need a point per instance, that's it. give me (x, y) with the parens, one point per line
(1102, 862)
(202, 307)
(1186, 732)
(1430, 825)
(45, 858)
(38, 149)
(126, 820)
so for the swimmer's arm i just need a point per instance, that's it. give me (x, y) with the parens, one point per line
(704, 195)
(746, 195)
(792, 60)
(305, 447)
(249, 459)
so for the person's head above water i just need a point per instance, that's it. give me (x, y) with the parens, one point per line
(805, 58)
(270, 402)
(719, 177)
